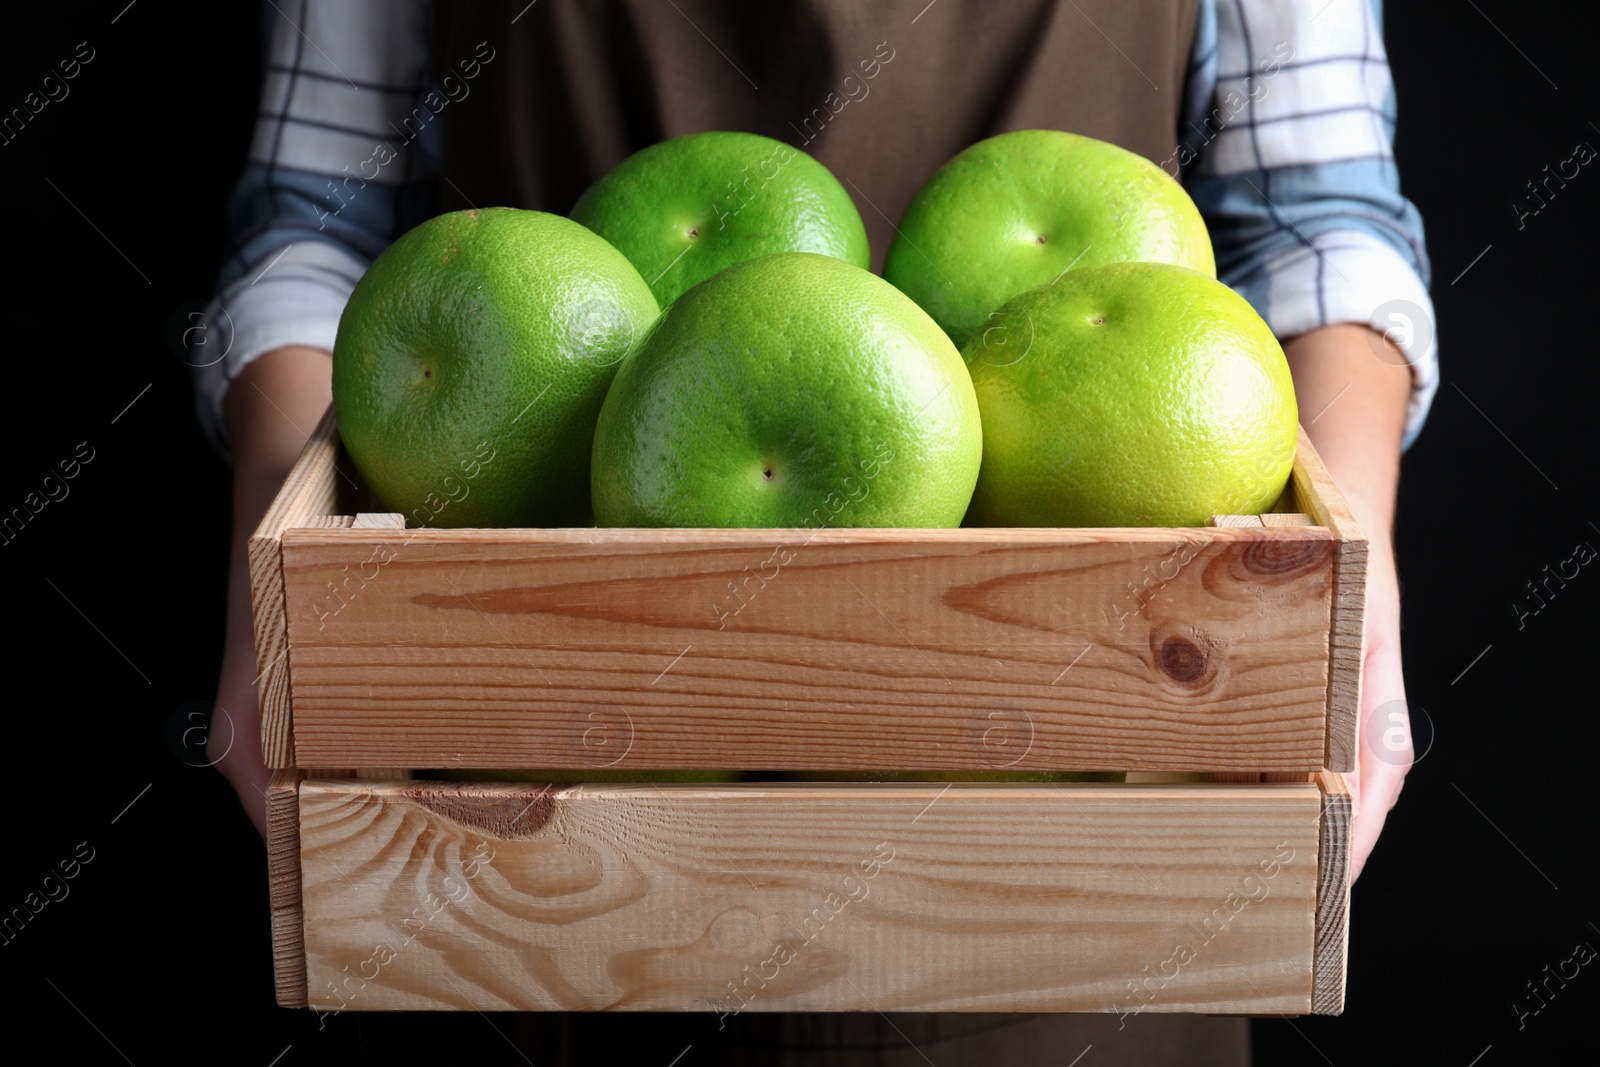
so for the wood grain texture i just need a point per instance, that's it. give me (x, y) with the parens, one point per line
(376, 520)
(307, 496)
(598, 667)
(272, 650)
(1333, 895)
(470, 896)
(862, 649)
(283, 887)
(1288, 518)
(1237, 521)
(1321, 499)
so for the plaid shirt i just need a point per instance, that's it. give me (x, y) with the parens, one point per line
(1286, 149)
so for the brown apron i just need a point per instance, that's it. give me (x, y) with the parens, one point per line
(882, 93)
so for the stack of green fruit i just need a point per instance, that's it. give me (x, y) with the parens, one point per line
(702, 345)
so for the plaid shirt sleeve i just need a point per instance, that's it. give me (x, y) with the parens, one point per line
(1288, 152)
(343, 160)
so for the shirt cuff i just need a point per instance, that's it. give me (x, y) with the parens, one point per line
(292, 296)
(1353, 276)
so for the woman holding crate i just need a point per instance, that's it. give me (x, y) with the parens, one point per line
(1277, 117)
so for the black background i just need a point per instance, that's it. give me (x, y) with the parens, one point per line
(113, 224)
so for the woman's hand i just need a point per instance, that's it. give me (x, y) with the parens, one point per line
(1353, 387)
(1383, 748)
(271, 408)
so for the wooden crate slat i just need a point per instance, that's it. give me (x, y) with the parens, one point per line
(386, 520)
(1333, 894)
(306, 497)
(866, 649)
(1320, 498)
(283, 887)
(1311, 494)
(430, 895)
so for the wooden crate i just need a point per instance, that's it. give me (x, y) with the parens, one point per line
(1232, 649)
(1226, 648)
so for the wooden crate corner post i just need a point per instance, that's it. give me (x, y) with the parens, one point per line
(1333, 895)
(1321, 499)
(283, 887)
(306, 499)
